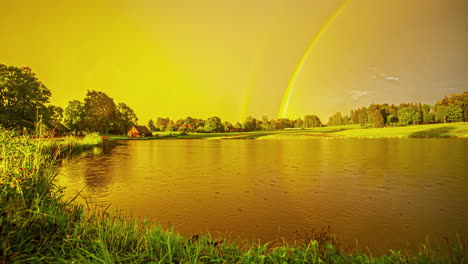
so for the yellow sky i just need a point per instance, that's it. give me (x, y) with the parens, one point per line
(200, 58)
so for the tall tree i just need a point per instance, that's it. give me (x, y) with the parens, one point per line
(335, 120)
(250, 124)
(170, 125)
(282, 123)
(227, 126)
(455, 113)
(101, 112)
(312, 121)
(152, 126)
(213, 124)
(126, 118)
(377, 119)
(162, 123)
(54, 113)
(22, 97)
(189, 124)
(427, 115)
(74, 116)
(361, 114)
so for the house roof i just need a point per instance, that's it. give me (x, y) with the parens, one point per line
(142, 130)
(57, 126)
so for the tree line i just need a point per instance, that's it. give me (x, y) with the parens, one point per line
(25, 100)
(448, 110)
(215, 124)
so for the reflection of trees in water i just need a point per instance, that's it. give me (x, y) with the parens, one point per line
(99, 164)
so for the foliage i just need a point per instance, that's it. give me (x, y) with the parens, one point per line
(22, 97)
(74, 116)
(335, 120)
(377, 119)
(100, 112)
(54, 113)
(189, 124)
(227, 126)
(409, 113)
(152, 127)
(250, 124)
(126, 118)
(213, 124)
(162, 123)
(311, 121)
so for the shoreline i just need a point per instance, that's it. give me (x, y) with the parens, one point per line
(448, 130)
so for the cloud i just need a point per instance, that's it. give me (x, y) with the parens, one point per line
(391, 78)
(355, 94)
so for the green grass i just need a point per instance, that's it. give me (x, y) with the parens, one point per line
(71, 144)
(38, 225)
(449, 130)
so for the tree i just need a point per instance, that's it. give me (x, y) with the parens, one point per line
(162, 123)
(170, 126)
(22, 97)
(250, 124)
(126, 118)
(361, 115)
(427, 116)
(101, 112)
(152, 126)
(404, 114)
(54, 113)
(74, 116)
(227, 126)
(298, 123)
(312, 121)
(460, 100)
(409, 113)
(200, 129)
(346, 120)
(455, 113)
(283, 123)
(189, 124)
(199, 123)
(377, 119)
(354, 117)
(213, 124)
(238, 127)
(441, 113)
(335, 120)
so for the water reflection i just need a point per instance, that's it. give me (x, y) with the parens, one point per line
(385, 192)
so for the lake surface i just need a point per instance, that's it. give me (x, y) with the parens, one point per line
(385, 193)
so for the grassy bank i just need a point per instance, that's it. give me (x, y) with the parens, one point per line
(38, 225)
(71, 144)
(449, 130)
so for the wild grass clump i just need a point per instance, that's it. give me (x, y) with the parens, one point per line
(37, 225)
(34, 217)
(90, 140)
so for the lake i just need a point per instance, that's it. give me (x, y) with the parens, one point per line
(385, 193)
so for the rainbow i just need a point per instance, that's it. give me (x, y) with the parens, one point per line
(300, 65)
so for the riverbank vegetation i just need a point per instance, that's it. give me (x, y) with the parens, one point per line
(25, 100)
(37, 224)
